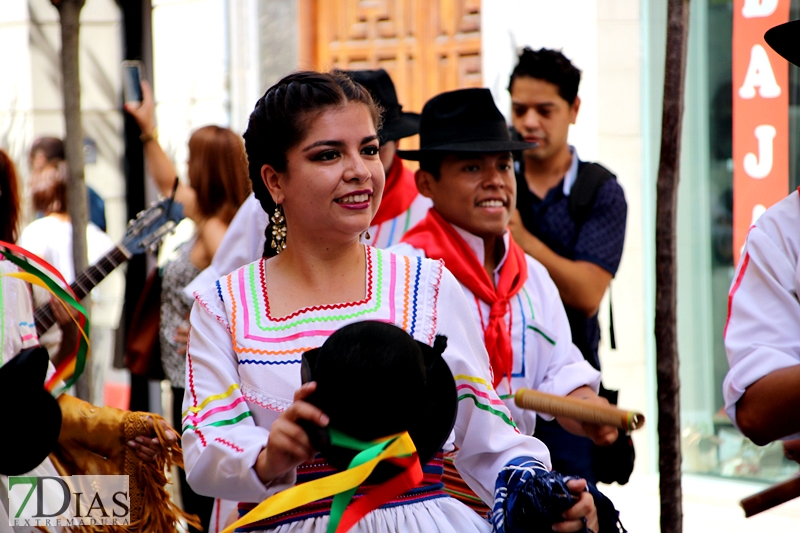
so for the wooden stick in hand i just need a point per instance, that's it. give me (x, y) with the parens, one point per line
(771, 497)
(580, 410)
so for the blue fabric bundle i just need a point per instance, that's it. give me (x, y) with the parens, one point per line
(529, 498)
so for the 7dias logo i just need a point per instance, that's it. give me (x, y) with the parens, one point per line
(68, 501)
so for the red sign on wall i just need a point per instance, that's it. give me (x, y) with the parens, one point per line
(760, 115)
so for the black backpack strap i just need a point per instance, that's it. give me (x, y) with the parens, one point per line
(591, 176)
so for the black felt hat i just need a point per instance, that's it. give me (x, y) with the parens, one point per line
(785, 39)
(374, 380)
(466, 120)
(397, 123)
(31, 416)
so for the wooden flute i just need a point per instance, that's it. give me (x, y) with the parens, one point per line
(581, 410)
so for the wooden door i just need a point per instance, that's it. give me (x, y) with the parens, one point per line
(426, 46)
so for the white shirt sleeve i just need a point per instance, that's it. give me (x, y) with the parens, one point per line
(220, 440)
(761, 335)
(486, 436)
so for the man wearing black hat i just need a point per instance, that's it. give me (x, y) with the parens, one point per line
(762, 336)
(466, 168)
(570, 215)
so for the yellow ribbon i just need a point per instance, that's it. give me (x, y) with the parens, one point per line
(326, 487)
(30, 278)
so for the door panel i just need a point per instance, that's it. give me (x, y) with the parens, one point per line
(426, 46)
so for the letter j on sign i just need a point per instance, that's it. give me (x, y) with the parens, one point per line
(760, 115)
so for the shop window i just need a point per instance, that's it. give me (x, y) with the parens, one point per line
(711, 444)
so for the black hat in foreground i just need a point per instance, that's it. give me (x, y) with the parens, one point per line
(785, 39)
(466, 120)
(373, 381)
(397, 123)
(31, 416)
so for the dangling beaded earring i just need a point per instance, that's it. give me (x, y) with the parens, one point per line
(278, 230)
(365, 235)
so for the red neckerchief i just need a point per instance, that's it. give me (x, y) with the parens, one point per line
(440, 240)
(399, 193)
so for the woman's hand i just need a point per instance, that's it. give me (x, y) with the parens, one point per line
(147, 449)
(288, 444)
(143, 112)
(581, 515)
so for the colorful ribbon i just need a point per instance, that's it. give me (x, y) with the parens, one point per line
(35, 271)
(397, 449)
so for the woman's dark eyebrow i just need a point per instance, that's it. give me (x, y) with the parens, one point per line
(323, 143)
(337, 144)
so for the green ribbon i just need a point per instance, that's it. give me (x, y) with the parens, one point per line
(63, 295)
(368, 451)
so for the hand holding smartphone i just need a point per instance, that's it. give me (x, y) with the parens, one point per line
(132, 81)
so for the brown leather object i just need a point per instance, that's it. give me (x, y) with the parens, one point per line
(142, 345)
(93, 440)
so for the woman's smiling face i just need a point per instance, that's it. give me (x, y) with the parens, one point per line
(334, 178)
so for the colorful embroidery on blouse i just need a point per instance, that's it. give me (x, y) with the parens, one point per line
(192, 419)
(482, 395)
(543, 334)
(435, 306)
(229, 444)
(245, 311)
(367, 298)
(406, 279)
(414, 303)
(218, 423)
(521, 373)
(221, 396)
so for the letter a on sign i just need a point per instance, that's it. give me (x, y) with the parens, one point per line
(759, 74)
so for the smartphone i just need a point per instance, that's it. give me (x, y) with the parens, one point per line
(132, 80)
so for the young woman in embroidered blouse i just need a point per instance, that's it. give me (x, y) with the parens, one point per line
(312, 146)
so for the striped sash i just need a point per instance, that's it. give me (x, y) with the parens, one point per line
(456, 487)
(431, 487)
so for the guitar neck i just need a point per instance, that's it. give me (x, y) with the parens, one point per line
(83, 284)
